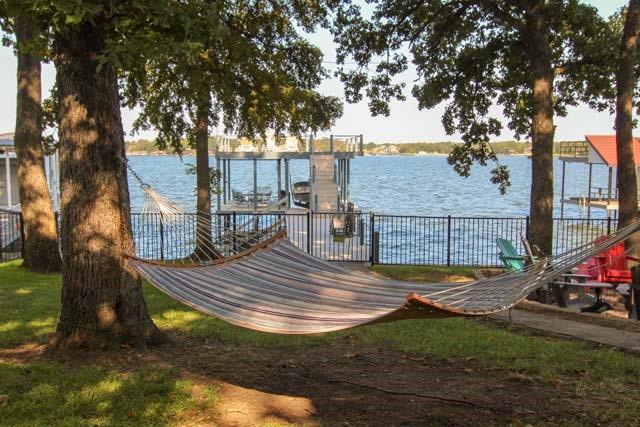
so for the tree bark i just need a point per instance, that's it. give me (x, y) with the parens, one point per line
(542, 128)
(204, 242)
(41, 253)
(625, 82)
(102, 301)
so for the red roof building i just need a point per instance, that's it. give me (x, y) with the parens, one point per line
(595, 150)
(602, 150)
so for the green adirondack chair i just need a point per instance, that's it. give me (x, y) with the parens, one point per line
(509, 256)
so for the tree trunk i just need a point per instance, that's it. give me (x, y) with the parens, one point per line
(204, 243)
(41, 252)
(102, 301)
(542, 129)
(625, 82)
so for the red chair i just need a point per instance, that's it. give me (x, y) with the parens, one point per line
(610, 266)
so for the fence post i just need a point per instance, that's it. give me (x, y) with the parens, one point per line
(526, 228)
(448, 240)
(376, 248)
(234, 229)
(21, 222)
(372, 217)
(161, 239)
(309, 232)
(608, 225)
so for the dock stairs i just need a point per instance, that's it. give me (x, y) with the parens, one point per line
(324, 189)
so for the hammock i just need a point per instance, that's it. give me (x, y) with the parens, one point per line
(273, 286)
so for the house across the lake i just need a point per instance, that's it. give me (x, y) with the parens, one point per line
(9, 195)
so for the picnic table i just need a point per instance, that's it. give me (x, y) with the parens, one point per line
(582, 281)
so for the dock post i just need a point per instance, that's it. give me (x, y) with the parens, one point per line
(609, 182)
(564, 164)
(219, 182)
(589, 193)
(224, 181)
(287, 182)
(279, 172)
(255, 185)
(229, 179)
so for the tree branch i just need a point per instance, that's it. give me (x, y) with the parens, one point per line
(500, 13)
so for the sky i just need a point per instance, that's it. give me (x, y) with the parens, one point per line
(405, 124)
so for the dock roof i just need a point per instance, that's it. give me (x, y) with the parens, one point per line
(605, 147)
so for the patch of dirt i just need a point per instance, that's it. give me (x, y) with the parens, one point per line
(343, 384)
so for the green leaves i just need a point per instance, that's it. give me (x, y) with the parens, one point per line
(471, 56)
(247, 57)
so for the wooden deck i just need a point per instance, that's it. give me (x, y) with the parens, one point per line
(322, 243)
(610, 204)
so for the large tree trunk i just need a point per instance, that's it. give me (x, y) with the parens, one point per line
(625, 82)
(204, 243)
(102, 301)
(41, 252)
(542, 129)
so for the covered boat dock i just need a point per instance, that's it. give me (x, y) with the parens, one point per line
(599, 151)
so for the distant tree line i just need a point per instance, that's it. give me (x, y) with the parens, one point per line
(445, 147)
(151, 146)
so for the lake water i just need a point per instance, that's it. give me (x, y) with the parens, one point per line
(404, 185)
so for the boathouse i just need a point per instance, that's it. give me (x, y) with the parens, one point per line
(595, 151)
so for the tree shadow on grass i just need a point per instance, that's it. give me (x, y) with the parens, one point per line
(46, 393)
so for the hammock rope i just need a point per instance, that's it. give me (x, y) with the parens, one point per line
(176, 221)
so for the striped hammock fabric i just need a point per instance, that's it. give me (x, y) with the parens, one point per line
(276, 287)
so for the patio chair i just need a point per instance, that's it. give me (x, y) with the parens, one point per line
(611, 266)
(509, 256)
(239, 198)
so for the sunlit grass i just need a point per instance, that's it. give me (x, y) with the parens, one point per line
(54, 395)
(425, 273)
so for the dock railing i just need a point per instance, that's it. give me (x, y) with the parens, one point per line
(574, 150)
(347, 144)
(368, 237)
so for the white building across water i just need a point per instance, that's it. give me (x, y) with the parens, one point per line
(9, 193)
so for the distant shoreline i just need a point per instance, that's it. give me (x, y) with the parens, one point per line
(141, 153)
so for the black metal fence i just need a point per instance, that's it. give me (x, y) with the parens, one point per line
(353, 237)
(10, 235)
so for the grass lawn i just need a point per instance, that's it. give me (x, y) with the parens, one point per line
(50, 392)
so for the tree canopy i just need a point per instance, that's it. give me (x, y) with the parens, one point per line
(247, 58)
(472, 55)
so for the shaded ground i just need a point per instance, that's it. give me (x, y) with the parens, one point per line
(341, 384)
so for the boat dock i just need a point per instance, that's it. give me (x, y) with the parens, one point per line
(599, 151)
(320, 218)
